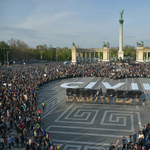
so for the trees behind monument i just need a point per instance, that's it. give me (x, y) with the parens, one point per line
(19, 50)
(128, 51)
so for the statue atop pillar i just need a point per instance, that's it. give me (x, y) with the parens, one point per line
(121, 14)
(73, 44)
(120, 52)
(106, 45)
(140, 44)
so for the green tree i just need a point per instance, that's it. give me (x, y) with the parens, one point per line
(4, 47)
(18, 49)
(114, 52)
(130, 51)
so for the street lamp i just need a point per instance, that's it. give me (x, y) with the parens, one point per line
(67, 52)
(51, 57)
(41, 55)
(7, 58)
(56, 55)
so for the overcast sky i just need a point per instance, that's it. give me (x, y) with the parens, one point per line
(87, 23)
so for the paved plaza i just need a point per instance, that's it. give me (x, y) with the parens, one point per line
(89, 126)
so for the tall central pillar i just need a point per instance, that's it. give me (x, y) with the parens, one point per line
(120, 52)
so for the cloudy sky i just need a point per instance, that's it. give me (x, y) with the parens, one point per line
(87, 23)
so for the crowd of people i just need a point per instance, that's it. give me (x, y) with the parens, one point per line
(18, 94)
(18, 111)
(137, 141)
(108, 70)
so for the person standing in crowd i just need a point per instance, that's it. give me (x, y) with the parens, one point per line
(27, 146)
(17, 140)
(12, 141)
(39, 112)
(25, 134)
(119, 147)
(57, 148)
(117, 143)
(123, 143)
(137, 147)
(141, 142)
(9, 142)
(148, 145)
(43, 146)
(147, 138)
(111, 146)
(43, 105)
(134, 137)
(21, 138)
(8, 125)
(128, 142)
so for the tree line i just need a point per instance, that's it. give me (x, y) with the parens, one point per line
(19, 50)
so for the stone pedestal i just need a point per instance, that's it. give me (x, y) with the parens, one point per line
(139, 54)
(121, 54)
(74, 57)
(105, 54)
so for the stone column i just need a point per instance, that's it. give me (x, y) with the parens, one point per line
(81, 55)
(98, 56)
(85, 55)
(77, 55)
(94, 56)
(147, 56)
(120, 52)
(74, 55)
(140, 54)
(108, 56)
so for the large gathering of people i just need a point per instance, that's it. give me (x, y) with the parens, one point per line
(19, 112)
(137, 141)
(18, 92)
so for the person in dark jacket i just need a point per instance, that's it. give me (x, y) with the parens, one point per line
(38, 147)
(148, 145)
(123, 143)
(43, 147)
(21, 139)
(134, 137)
(111, 147)
(141, 142)
(27, 146)
(17, 140)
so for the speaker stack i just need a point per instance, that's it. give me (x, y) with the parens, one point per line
(82, 95)
(88, 95)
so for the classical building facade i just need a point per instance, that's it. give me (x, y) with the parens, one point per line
(79, 54)
(143, 54)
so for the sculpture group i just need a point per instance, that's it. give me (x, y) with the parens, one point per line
(140, 44)
(106, 45)
(121, 14)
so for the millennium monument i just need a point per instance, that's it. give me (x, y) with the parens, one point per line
(120, 52)
(79, 54)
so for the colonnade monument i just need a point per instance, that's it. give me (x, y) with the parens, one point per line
(80, 54)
